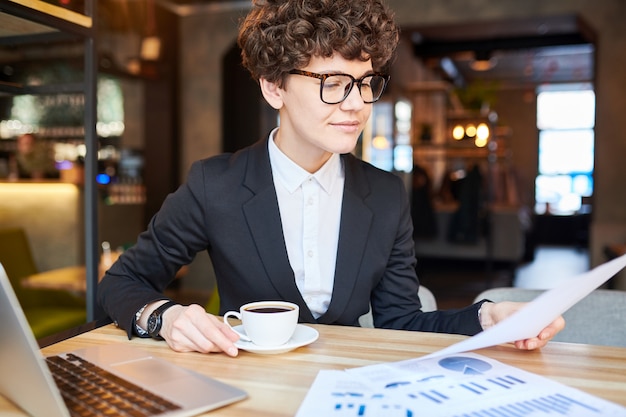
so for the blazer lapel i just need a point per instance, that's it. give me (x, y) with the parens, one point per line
(356, 218)
(263, 218)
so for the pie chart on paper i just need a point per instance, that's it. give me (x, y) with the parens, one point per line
(465, 365)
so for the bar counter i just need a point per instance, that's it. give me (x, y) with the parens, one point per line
(52, 214)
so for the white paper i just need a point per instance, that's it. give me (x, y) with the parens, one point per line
(453, 386)
(530, 320)
(449, 383)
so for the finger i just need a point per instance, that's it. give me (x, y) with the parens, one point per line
(526, 344)
(227, 330)
(220, 335)
(177, 331)
(552, 329)
(189, 340)
(194, 330)
(529, 344)
(184, 336)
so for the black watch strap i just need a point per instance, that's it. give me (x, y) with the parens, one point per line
(155, 321)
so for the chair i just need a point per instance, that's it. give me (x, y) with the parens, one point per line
(47, 311)
(429, 303)
(597, 319)
(213, 304)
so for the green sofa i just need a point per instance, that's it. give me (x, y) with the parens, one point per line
(48, 311)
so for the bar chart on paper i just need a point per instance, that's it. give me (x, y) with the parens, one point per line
(466, 385)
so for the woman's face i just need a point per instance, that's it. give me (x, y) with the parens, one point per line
(311, 130)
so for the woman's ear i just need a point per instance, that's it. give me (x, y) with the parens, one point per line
(272, 93)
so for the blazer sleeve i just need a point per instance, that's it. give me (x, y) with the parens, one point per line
(172, 239)
(394, 300)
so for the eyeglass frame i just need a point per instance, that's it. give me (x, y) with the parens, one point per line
(357, 81)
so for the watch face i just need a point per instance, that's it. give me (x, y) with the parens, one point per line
(153, 324)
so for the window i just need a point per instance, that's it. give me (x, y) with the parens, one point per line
(565, 119)
(387, 145)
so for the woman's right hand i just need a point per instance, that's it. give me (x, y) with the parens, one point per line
(192, 329)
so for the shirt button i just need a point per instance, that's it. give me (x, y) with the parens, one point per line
(310, 254)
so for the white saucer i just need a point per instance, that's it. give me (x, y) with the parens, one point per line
(303, 336)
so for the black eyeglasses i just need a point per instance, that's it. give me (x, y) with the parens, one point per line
(335, 88)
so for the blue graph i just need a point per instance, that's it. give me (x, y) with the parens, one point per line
(557, 404)
(549, 405)
(473, 385)
(465, 365)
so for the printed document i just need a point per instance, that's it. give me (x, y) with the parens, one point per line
(452, 383)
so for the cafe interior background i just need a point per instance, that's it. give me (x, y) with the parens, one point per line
(526, 98)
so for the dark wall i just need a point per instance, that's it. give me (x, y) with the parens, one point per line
(161, 120)
(246, 116)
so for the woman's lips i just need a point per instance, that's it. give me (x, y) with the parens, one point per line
(347, 127)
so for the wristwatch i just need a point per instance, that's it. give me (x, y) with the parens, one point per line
(155, 321)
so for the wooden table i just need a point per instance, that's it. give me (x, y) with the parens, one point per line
(70, 278)
(277, 384)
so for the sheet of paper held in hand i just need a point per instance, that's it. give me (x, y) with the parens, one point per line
(449, 383)
(540, 312)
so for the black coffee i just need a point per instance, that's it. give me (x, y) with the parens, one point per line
(269, 309)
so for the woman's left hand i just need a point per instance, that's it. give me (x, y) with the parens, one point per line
(493, 313)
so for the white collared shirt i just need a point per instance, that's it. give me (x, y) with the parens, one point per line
(310, 211)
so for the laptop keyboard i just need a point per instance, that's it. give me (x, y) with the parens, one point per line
(89, 390)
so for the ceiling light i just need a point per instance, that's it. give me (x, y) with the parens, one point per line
(458, 132)
(482, 132)
(483, 65)
(483, 61)
(470, 130)
(150, 48)
(480, 143)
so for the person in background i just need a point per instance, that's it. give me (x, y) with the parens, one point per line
(295, 216)
(33, 158)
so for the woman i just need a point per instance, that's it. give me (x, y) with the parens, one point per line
(295, 216)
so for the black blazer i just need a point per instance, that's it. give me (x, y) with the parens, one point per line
(228, 206)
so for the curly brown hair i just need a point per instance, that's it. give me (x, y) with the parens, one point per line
(280, 35)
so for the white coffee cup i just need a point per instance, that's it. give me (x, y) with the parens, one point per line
(266, 323)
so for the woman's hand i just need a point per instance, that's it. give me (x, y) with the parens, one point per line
(493, 313)
(192, 329)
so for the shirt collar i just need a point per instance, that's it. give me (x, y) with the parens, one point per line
(291, 175)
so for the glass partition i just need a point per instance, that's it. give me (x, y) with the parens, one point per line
(47, 62)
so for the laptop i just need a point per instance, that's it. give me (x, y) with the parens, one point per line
(26, 377)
